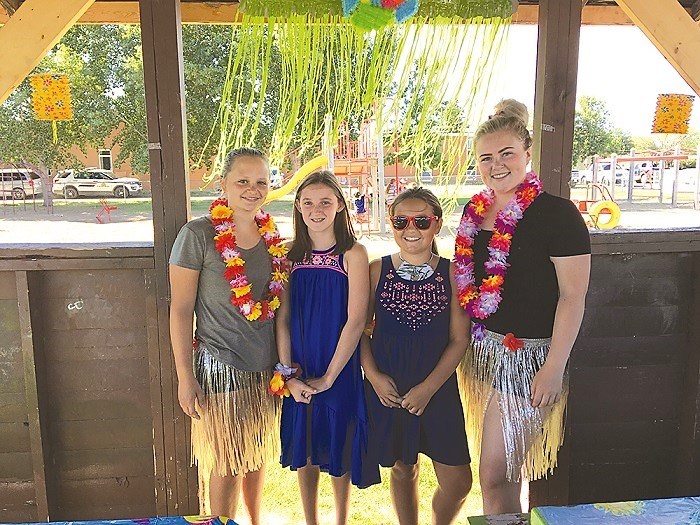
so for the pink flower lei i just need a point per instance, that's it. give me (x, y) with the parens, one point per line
(483, 301)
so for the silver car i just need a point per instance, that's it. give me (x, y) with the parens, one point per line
(19, 184)
(74, 183)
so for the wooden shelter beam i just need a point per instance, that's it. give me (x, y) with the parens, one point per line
(33, 368)
(127, 12)
(161, 36)
(668, 26)
(29, 34)
(559, 30)
(555, 92)
(599, 15)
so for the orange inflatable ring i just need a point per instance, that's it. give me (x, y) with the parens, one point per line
(604, 208)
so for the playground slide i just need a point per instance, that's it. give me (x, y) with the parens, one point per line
(306, 169)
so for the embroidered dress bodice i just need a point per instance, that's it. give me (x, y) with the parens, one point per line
(322, 259)
(414, 303)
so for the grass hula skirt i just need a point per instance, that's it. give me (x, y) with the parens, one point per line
(239, 429)
(495, 368)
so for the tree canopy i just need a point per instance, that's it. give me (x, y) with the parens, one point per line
(104, 65)
(594, 133)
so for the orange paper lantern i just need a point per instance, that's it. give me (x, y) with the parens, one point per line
(672, 113)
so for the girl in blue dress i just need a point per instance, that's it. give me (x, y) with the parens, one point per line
(324, 423)
(419, 336)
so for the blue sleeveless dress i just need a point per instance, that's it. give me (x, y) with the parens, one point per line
(412, 323)
(332, 429)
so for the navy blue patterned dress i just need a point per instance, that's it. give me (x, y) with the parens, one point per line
(412, 322)
(332, 429)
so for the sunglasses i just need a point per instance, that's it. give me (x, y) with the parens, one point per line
(422, 222)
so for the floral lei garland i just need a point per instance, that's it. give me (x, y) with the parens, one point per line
(482, 302)
(241, 289)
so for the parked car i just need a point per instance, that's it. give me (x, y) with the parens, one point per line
(93, 181)
(579, 177)
(604, 168)
(645, 172)
(621, 174)
(19, 183)
(426, 176)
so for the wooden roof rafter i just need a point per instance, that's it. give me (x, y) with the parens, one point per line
(29, 34)
(595, 12)
(668, 26)
(10, 6)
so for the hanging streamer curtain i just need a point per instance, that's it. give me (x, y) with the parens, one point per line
(424, 82)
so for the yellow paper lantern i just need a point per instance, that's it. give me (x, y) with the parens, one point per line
(672, 113)
(51, 97)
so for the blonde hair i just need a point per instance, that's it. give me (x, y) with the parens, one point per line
(510, 115)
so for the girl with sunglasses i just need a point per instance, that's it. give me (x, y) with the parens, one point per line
(522, 262)
(324, 424)
(417, 335)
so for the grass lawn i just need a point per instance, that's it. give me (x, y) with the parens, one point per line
(282, 506)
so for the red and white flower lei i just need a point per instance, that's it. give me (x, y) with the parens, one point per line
(241, 289)
(483, 301)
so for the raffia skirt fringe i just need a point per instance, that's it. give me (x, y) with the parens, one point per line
(239, 429)
(532, 436)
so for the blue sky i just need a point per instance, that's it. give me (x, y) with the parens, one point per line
(617, 64)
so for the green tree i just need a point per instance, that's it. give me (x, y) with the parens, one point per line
(619, 141)
(590, 129)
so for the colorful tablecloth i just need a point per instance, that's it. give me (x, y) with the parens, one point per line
(673, 511)
(166, 520)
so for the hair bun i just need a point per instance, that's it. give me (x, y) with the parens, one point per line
(509, 107)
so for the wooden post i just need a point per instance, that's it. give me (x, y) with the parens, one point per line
(688, 467)
(555, 92)
(161, 34)
(35, 413)
(630, 178)
(555, 105)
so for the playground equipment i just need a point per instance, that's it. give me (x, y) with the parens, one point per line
(293, 182)
(602, 214)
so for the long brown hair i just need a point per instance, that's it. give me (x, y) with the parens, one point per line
(302, 247)
(421, 194)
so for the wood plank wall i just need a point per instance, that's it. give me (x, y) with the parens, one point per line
(77, 433)
(94, 420)
(17, 495)
(627, 373)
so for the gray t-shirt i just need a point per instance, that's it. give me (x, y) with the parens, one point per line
(227, 334)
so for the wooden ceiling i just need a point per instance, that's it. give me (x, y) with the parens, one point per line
(596, 12)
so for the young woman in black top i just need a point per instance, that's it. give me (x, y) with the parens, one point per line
(522, 264)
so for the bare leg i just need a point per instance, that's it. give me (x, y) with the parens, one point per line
(308, 487)
(499, 495)
(252, 488)
(404, 492)
(341, 494)
(224, 493)
(454, 483)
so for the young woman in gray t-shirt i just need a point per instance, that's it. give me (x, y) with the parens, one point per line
(226, 269)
